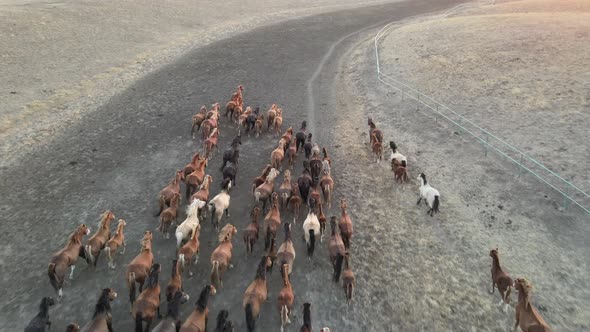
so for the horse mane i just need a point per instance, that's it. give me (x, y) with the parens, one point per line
(423, 176)
(153, 276)
(226, 233)
(527, 287)
(225, 183)
(103, 218)
(284, 273)
(261, 271)
(303, 125)
(287, 231)
(307, 315)
(76, 236)
(203, 298)
(104, 303)
(174, 267)
(46, 302)
(392, 146)
(193, 208)
(174, 305)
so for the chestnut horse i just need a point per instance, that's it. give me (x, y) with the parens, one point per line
(286, 297)
(263, 192)
(197, 321)
(96, 242)
(147, 305)
(195, 179)
(278, 122)
(139, 268)
(256, 294)
(288, 138)
(400, 172)
(277, 156)
(348, 280)
(258, 125)
(315, 193)
(252, 230)
(115, 243)
(222, 255)
(315, 167)
(272, 221)
(292, 153)
(190, 167)
(190, 251)
(211, 143)
(285, 189)
(500, 278)
(198, 119)
(296, 201)
(236, 102)
(345, 224)
(527, 317)
(260, 179)
(376, 148)
(323, 221)
(102, 319)
(175, 282)
(374, 131)
(66, 258)
(168, 192)
(336, 250)
(286, 253)
(270, 116)
(169, 215)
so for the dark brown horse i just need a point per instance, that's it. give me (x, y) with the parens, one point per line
(374, 131)
(256, 294)
(175, 282)
(147, 306)
(198, 319)
(138, 269)
(169, 215)
(306, 327)
(345, 224)
(172, 322)
(102, 319)
(348, 280)
(400, 172)
(66, 258)
(336, 249)
(252, 230)
(41, 322)
(168, 192)
(304, 182)
(500, 278)
(272, 221)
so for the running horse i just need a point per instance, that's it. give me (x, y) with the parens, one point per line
(500, 278)
(272, 221)
(235, 103)
(116, 242)
(306, 327)
(198, 319)
(198, 119)
(175, 282)
(270, 116)
(66, 258)
(327, 184)
(286, 253)
(256, 294)
(189, 252)
(285, 190)
(252, 230)
(195, 179)
(211, 143)
(345, 224)
(348, 280)
(300, 136)
(147, 306)
(97, 242)
(336, 250)
(222, 255)
(527, 317)
(166, 194)
(304, 181)
(373, 131)
(172, 322)
(41, 322)
(260, 179)
(315, 166)
(286, 297)
(102, 318)
(169, 215)
(295, 201)
(139, 268)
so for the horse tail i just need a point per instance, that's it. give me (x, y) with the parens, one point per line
(52, 276)
(107, 251)
(267, 238)
(250, 321)
(435, 204)
(507, 296)
(311, 244)
(338, 267)
(257, 195)
(284, 315)
(181, 260)
(131, 285)
(88, 254)
(349, 291)
(215, 278)
(327, 194)
(138, 322)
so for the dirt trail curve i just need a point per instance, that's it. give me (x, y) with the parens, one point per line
(119, 157)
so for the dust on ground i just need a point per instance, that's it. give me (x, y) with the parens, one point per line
(433, 274)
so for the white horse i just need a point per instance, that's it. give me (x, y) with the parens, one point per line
(430, 195)
(311, 228)
(220, 203)
(183, 231)
(315, 149)
(396, 155)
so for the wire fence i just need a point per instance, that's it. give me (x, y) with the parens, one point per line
(570, 193)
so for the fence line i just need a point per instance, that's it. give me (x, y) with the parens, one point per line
(567, 189)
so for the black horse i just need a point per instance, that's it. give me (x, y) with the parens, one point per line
(300, 136)
(304, 181)
(41, 322)
(230, 170)
(251, 120)
(233, 153)
(308, 146)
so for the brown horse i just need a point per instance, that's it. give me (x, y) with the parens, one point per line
(277, 156)
(252, 230)
(211, 143)
(315, 193)
(172, 322)
(96, 242)
(285, 189)
(400, 172)
(66, 258)
(198, 319)
(374, 131)
(175, 282)
(292, 153)
(527, 317)
(288, 137)
(102, 319)
(210, 123)
(500, 278)
(116, 242)
(326, 158)
(168, 192)
(296, 201)
(222, 255)
(348, 281)
(306, 327)
(258, 125)
(327, 184)
(278, 122)
(242, 117)
(286, 253)
(195, 179)
(323, 221)
(264, 191)
(286, 297)
(198, 119)
(169, 215)
(190, 167)
(272, 221)
(376, 148)
(139, 268)
(235, 103)
(256, 294)
(345, 224)
(147, 306)
(203, 193)
(336, 250)
(270, 116)
(73, 327)
(188, 254)
(260, 179)
(271, 253)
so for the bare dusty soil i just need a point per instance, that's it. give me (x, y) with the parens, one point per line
(438, 269)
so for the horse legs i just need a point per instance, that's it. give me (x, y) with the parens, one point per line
(419, 200)
(124, 247)
(72, 272)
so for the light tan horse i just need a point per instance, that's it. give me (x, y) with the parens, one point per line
(278, 122)
(116, 242)
(277, 156)
(66, 258)
(96, 242)
(285, 189)
(527, 317)
(256, 294)
(222, 255)
(139, 268)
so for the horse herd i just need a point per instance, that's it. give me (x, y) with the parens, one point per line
(313, 188)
